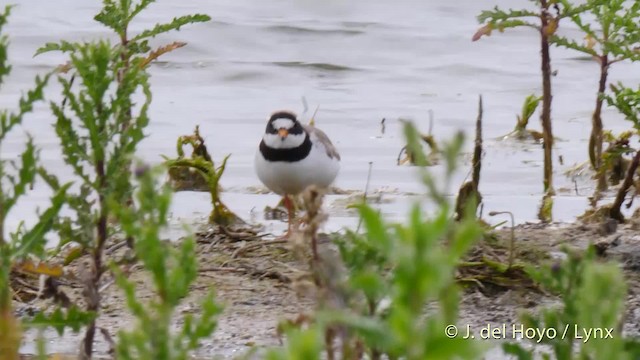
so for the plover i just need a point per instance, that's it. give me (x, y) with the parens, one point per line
(293, 156)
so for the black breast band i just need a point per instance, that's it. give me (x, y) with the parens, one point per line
(286, 155)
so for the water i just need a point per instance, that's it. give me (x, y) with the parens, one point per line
(361, 61)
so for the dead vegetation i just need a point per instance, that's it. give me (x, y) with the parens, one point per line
(469, 197)
(199, 172)
(406, 156)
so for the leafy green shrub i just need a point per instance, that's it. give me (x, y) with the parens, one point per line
(612, 41)
(627, 102)
(172, 272)
(587, 324)
(98, 138)
(25, 244)
(392, 273)
(544, 20)
(99, 126)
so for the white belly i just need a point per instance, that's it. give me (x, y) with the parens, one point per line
(293, 177)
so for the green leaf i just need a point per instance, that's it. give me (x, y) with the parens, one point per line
(371, 329)
(518, 351)
(627, 102)
(60, 320)
(175, 24)
(528, 108)
(572, 44)
(33, 241)
(63, 46)
(413, 144)
(138, 8)
(376, 230)
(135, 306)
(113, 15)
(9, 120)
(26, 176)
(498, 14)
(5, 68)
(180, 277)
(464, 237)
(204, 326)
(305, 344)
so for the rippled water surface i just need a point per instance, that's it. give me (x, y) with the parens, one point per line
(361, 61)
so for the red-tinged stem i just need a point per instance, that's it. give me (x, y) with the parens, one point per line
(545, 116)
(614, 212)
(595, 141)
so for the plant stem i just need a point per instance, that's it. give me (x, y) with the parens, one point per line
(477, 150)
(93, 295)
(545, 116)
(366, 193)
(2, 242)
(595, 140)
(10, 332)
(614, 212)
(126, 57)
(513, 239)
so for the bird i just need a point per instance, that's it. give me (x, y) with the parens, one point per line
(293, 156)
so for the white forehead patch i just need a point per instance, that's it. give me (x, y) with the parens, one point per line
(282, 123)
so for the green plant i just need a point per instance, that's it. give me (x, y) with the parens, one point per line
(592, 296)
(544, 20)
(98, 130)
(376, 309)
(429, 139)
(545, 212)
(529, 107)
(614, 162)
(614, 40)
(172, 272)
(25, 244)
(93, 136)
(627, 101)
(498, 19)
(199, 170)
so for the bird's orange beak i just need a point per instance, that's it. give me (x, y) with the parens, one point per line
(283, 133)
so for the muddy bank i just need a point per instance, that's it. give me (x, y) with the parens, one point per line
(256, 281)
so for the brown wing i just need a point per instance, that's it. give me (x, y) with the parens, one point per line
(332, 152)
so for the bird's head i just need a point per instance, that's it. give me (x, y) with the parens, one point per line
(283, 131)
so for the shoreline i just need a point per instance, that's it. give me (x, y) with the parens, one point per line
(258, 286)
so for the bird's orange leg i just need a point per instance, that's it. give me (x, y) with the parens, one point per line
(290, 212)
(289, 205)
